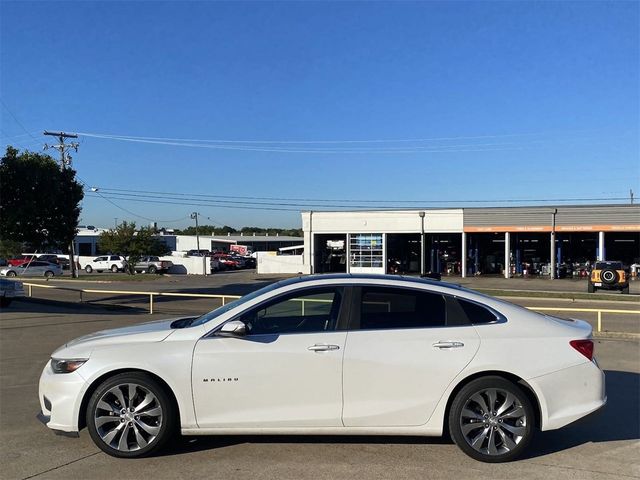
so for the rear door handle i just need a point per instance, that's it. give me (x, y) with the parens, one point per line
(448, 345)
(323, 347)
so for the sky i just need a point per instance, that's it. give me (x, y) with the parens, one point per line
(382, 104)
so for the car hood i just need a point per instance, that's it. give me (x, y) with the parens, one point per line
(155, 331)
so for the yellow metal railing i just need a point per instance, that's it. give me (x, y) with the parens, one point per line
(151, 295)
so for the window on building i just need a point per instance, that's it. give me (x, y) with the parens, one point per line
(366, 250)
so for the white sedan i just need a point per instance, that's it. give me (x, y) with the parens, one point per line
(332, 354)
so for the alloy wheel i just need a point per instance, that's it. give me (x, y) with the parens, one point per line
(493, 421)
(128, 417)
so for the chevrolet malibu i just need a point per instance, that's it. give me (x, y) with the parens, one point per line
(338, 355)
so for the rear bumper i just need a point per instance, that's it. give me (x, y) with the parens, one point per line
(569, 394)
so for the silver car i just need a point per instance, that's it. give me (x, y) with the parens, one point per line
(33, 269)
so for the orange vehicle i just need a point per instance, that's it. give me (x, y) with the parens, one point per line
(609, 276)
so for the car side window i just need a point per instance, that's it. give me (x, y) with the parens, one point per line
(310, 311)
(397, 308)
(114, 258)
(477, 313)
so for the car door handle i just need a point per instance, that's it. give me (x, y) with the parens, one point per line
(322, 347)
(448, 345)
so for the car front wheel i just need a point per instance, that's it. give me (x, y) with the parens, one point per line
(152, 269)
(130, 415)
(491, 420)
(11, 274)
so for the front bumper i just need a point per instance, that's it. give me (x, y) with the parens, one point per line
(60, 398)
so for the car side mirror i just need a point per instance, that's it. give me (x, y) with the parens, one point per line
(235, 328)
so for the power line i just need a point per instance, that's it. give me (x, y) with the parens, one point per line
(317, 142)
(248, 148)
(16, 119)
(276, 207)
(200, 197)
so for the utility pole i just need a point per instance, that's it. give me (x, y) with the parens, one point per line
(115, 222)
(194, 216)
(631, 195)
(554, 212)
(422, 244)
(65, 162)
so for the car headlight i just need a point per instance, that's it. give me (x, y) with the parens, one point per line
(59, 365)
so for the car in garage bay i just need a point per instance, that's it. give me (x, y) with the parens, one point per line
(331, 354)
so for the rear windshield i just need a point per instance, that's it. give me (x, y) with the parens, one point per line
(605, 265)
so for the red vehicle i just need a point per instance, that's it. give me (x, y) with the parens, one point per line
(16, 262)
(226, 262)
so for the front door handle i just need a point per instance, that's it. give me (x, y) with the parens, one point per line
(323, 347)
(448, 345)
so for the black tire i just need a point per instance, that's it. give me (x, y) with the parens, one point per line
(168, 422)
(493, 426)
(11, 274)
(114, 268)
(88, 269)
(152, 269)
(48, 274)
(5, 302)
(591, 288)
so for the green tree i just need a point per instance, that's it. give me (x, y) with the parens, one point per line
(127, 241)
(10, 249)
(40, 202)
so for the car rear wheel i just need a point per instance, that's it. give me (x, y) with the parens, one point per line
(130, 415)
(152, 269)
(11, 274)
(491, 420)
(88, 269)
(48, 274)
(114, 268)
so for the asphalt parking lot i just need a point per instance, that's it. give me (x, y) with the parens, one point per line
(605, 446)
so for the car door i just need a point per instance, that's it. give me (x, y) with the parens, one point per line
(285, 372)
(400, 356)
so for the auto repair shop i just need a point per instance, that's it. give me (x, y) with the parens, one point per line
(509, 241)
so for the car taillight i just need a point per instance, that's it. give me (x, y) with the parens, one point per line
(585, 347)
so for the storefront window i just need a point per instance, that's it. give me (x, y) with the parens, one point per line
(366, 250)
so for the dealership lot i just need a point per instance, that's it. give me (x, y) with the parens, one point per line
(605, 446)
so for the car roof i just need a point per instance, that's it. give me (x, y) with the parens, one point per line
(354, 277)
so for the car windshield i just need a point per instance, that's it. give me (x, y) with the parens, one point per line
(207, 317)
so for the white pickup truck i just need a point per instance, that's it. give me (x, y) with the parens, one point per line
(115, 263)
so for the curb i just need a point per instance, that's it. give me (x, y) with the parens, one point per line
(616, 336)
(61, 303)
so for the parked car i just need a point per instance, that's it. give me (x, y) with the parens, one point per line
(33, 269)
(10, 289)
(608, 276)
(20, 259)
(115, 263)
(151, 264)
(331, 354)
(198, 253)
(53, 258)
